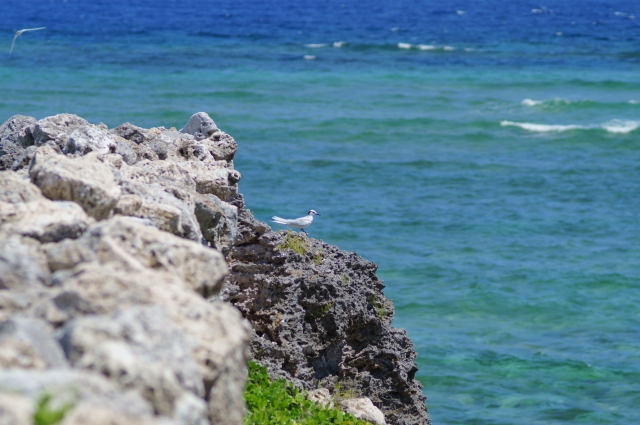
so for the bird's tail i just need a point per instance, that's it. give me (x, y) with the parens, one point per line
(279, 220)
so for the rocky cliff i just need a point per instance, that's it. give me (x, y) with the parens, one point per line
(122, 252)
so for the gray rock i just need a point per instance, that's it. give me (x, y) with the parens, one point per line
(139, 348)
(200, 125)
(86, 181)
(81, 390)
(13, 130)
(13, 140)
(28, 343)
(131, 132)
(218, 221)
(9, 152)
(22, 263)
(249, 228)
(16, 409)
(320, 319)
(217, 333)
(221, 146)
(54, 131)
(16, 190)
(363, 408)
(125, 241)
(89, 138)
(45, 221)
(125, 149)
(24, 158)
(161, 207)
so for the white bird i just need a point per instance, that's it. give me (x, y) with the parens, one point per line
(298, 223)
(19, 33)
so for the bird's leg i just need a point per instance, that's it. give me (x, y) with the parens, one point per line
(303, 231)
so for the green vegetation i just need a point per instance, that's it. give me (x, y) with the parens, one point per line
(45, 415)
(294, 242)
(345, 279)
(311, 314)
(280, 403)
(380, 307)
(317, 257)
(343, 391)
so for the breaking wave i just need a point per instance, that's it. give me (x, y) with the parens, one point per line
(613, 126)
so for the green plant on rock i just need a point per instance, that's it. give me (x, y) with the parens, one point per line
(46, 415)
(345, 279)
(318, 256)
(294, 242)
(280, 403)
(380, 307)
(344, 391)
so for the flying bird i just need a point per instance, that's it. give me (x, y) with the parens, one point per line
(298, 223)
(19, 33)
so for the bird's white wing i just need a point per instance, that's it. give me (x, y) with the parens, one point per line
(19, 33)
(13, 43)
(300, 223)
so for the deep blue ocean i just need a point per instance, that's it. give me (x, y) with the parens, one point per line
(485, 153)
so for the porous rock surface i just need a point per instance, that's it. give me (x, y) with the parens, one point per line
(321, 320)
(109, 248)
(116, 298)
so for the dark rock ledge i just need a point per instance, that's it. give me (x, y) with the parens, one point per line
(114, 247)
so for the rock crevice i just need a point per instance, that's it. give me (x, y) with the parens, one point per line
(135, 285)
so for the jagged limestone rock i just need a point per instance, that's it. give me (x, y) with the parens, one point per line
(218, 221)
(12, 140)
(53, 131)
(90, 138)
(13, 129)
(86, 181)
(16, 190)
(16, 409)
(200, 125)
(131, 132)
(126, 241)
(22, 263)
(320, 319)
(139, 348)
(45, 221)
(28, 343)
(81, 390)
(160, 205)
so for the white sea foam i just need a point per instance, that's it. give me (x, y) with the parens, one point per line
(308, 57)
(404, 45)
(633, 102)
(620, 126)
(531, 102)
(613, 126)
(426, 47)
(315, 45)
(339, 43)
(468, 49)
(554, 101)
(540, 128)
(448, 48)
(460, 12)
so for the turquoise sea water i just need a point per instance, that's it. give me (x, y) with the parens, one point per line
(492, 168)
